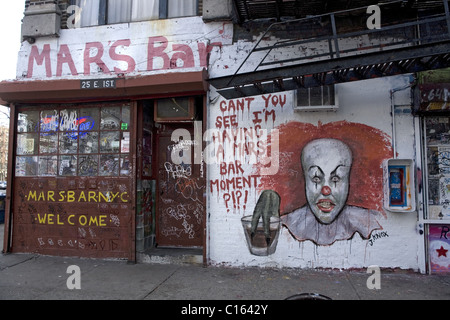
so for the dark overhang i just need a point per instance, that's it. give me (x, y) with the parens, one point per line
(137, 87)
(249, 10)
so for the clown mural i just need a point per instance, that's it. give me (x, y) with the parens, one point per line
(329, 186)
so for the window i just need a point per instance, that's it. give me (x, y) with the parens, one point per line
(67, 142)
(85, 13)
(174, 109)
(316, 98)
(437, 139)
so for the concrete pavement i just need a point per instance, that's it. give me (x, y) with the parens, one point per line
(28, 276)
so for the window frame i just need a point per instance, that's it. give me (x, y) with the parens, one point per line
(41, 130)
(163, 12)
(190, 112)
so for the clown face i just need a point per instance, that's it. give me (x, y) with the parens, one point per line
(326, 166)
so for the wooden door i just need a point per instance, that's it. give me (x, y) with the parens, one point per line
(181, 187)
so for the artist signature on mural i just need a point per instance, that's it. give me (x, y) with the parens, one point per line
(376, 236)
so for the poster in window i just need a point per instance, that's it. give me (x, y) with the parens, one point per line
(88, 165)
(433, 161)
(110, 142)
(444, 187)
(444, 160)
(439, 248)
(48, 166)
(48, 143)
(433, 192)
(68, 144)
(125, 146)
(438, 129)
(68, 166)
(89, 142)
(125, 167)
(26, 166)
(109, 165)
(27, 144)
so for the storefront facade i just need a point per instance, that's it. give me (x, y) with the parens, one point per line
(431, 106)
(94, 114)
(120, 145)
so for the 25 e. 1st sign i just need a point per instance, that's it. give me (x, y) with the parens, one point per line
(98, 84)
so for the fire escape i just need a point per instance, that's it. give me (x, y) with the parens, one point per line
(317, 44)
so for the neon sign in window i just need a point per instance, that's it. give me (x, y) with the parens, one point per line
(76, 141)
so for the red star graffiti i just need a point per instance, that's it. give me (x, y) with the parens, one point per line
(442, 252)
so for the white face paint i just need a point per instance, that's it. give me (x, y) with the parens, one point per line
(326, 165)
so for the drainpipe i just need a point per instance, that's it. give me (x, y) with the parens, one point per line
(394, 135)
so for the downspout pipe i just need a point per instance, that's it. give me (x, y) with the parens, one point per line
(394, 135)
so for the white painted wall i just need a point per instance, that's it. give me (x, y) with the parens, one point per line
(367, 102)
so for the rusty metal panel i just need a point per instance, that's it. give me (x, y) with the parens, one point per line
(85, 217)
(74, 184)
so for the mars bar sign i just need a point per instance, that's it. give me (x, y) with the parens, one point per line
(98, 58)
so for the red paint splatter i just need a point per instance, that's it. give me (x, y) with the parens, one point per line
(370, 147)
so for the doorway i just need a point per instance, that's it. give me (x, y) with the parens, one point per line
(181, 182)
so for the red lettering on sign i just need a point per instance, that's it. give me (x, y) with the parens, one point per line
(160, 56)
(39, 58)
(157, 51)
(97, 58)
(64, 56)
(122, 57)
(185, 54)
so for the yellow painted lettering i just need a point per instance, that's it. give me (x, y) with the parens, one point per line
(62, 196)
(50, 219)
(70, 219)
(59, 222)
(102, 221)
(50, 196)
(106, 198)
(115, 196)
(41, 196)
(42, 219)
(84, 222)
(92, 196)
(71, 196)
(82, 197)
(93, 221)
(32, 196)
(121, 197)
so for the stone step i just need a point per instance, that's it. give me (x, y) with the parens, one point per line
(193, 256)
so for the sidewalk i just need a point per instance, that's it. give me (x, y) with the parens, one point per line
(28, 276)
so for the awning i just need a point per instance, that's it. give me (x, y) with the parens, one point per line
(70, 90)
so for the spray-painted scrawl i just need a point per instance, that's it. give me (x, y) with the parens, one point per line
(329, 186)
